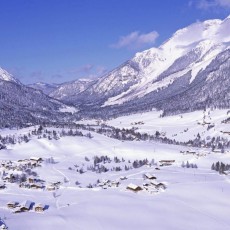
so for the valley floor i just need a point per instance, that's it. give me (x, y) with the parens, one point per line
(194, 198)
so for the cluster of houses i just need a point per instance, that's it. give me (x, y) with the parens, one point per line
(32, 182)
(20, 172)
(21, 165)
(25, 206)
(197, 154)
(150, 186)
(108, 184)
(53, 185)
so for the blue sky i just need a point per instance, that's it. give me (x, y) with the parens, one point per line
(62, 40)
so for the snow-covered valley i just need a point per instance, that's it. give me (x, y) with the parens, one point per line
(177, 197)
(145, 145)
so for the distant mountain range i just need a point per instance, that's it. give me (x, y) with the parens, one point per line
(44, 87)
(21, 105)
(190, 71)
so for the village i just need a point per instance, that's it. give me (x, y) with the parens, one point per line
(58, 170)
(59, 177)
(24, 174)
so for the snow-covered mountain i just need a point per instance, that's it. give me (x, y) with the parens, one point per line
(194, 59)
(20, 105)
(44, 87)
(71, 89)
(190, 71)
(4, 75)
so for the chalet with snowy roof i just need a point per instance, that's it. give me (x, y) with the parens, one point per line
(37, 186)
(51, 187)
(123, 178)
(159, 185)
(31, 179)
(23, 207)
(166, 162)
(39, 208)
(55, 183)
(115, 183)
(149, 176)
(190, 152)
(36, 159)
(134, 188)
(12, 204)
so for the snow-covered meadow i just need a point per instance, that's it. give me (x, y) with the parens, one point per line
(194, 198)
(181, 127)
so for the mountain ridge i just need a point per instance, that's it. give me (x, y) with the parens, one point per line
(185, 73)
(179, 60)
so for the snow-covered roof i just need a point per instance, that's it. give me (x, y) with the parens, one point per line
(39, 206)
(123, 177)
(133, 186)
(11, 202)
(148, 175)
(35, 158)
(26, 204)
(37, 184)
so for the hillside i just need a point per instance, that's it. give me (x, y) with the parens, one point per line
(21, 105)
(188, 72)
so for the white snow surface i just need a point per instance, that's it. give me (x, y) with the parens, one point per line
(68, 109)
(4, 75)
(194, 198)
(181, 127)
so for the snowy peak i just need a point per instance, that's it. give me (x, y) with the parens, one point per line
(72, 88)
(194, 33)
(5, 76)
(154, 74)
(189, 50)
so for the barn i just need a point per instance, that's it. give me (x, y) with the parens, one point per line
(134, 188)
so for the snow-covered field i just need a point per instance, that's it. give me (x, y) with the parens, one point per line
(182, 127)
(193, 198)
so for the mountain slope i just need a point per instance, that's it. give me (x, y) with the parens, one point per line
(4, 75)
(44, 87)
(20, 105)
(182, 67)
(70, 89)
